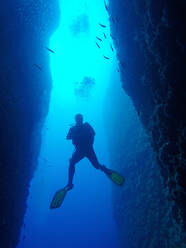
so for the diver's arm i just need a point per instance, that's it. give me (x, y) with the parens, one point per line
(93, 133)
(91, 129)
(69, 135)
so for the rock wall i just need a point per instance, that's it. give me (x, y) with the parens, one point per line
(141, 208)
(149, 37)
(25, 84)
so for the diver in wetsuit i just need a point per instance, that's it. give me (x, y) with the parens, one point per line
(82, 136)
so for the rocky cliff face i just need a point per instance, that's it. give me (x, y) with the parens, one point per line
(141, 208)
(150, 37)
(25, 83)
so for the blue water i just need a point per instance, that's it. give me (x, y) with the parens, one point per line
(85, 219)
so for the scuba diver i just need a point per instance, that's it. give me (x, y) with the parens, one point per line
(82, 136)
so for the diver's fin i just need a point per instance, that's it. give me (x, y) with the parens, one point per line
(113, 175)
(116, 178)
(58, 198)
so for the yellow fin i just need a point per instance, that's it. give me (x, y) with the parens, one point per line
(58, 198)
(116, 178)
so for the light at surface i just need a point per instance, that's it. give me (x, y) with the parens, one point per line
(77, 55)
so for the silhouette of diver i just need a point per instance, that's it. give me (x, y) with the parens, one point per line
(82, 136)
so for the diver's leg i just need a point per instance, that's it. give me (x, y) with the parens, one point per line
(114, 176)
(91, 155)
(76, 157)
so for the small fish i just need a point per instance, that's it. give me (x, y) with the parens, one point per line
(105, 35)
(103, 26)
(106, 7)
(49, 50)
(139, 113)
(97, 45)
(98, 38)
(112, 37)
(39, 67)
(122, 64)
(44, 159)
(111, 48)
(106, 57)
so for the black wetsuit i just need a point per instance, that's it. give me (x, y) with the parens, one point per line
(82, 137)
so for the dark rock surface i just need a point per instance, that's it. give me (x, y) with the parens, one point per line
(141, 208)
(150, 40)
(25, 83)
